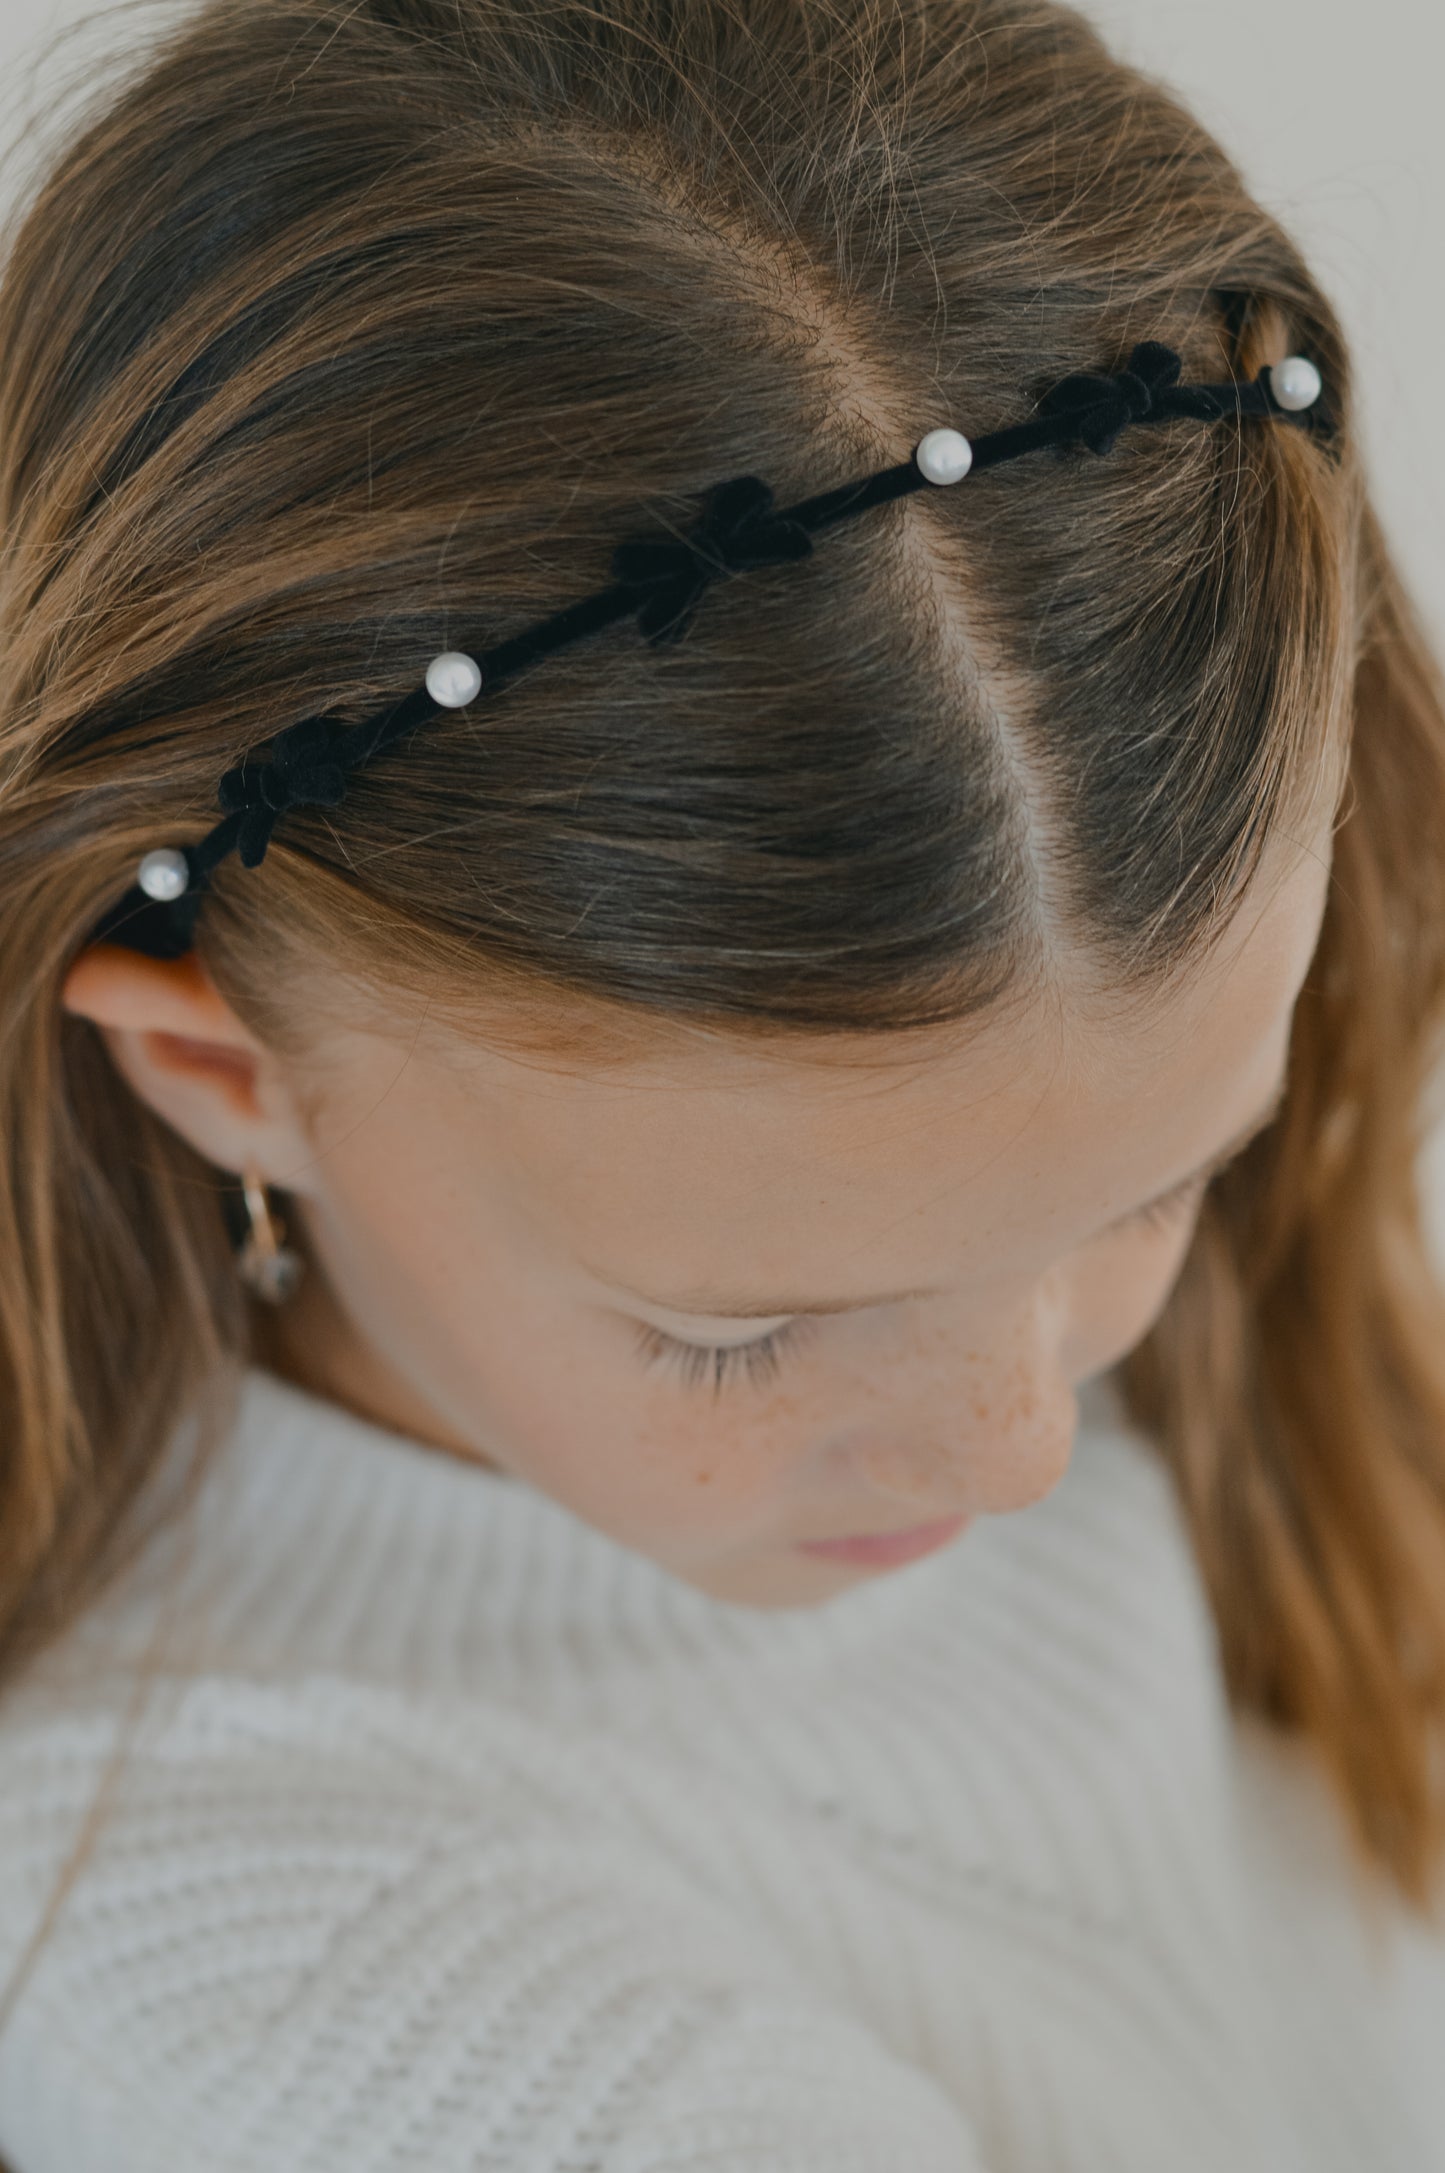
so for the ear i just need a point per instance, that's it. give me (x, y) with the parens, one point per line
(184, 1052)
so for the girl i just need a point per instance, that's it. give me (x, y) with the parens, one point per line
(663, 1507)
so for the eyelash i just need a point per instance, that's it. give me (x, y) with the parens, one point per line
(759, 1359)
(762, 1358)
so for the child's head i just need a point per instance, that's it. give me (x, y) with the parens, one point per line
(516, 1245)
(936, 902)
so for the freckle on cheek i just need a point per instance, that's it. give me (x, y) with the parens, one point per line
(704, 1478)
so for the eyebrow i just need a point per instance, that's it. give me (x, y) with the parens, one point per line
(709, 1302)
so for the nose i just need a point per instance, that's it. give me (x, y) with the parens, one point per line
(1001, 1453)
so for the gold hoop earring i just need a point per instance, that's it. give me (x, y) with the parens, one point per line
(265, 1263)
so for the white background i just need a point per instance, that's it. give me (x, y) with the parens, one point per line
(1332, 108)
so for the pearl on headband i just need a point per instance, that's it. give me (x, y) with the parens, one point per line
(944, 456)
(163, 874)
(453, 679)
(1295, 383)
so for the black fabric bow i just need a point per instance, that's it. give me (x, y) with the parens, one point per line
(738, 529)
(1103, 406)
(303, 772)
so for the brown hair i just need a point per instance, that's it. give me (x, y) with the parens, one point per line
(333, 337)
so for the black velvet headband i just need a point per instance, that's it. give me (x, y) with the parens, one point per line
(660, 581)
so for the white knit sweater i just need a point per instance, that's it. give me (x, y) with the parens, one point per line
(457, 1837)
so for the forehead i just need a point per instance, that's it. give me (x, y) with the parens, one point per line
(705, 1157)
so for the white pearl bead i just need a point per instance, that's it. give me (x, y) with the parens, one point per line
(163, 874)
(944, 456)
(1295, 383)
(453, 679)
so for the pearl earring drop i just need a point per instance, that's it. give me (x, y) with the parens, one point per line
(265, 1264)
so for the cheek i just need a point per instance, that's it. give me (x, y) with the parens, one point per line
(664, 1466)
(1118, 1290)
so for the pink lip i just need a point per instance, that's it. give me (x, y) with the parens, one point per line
(888, 1547)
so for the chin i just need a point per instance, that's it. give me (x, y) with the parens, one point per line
(785, 1584)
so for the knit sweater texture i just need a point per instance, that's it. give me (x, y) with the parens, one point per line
(455, 1837)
